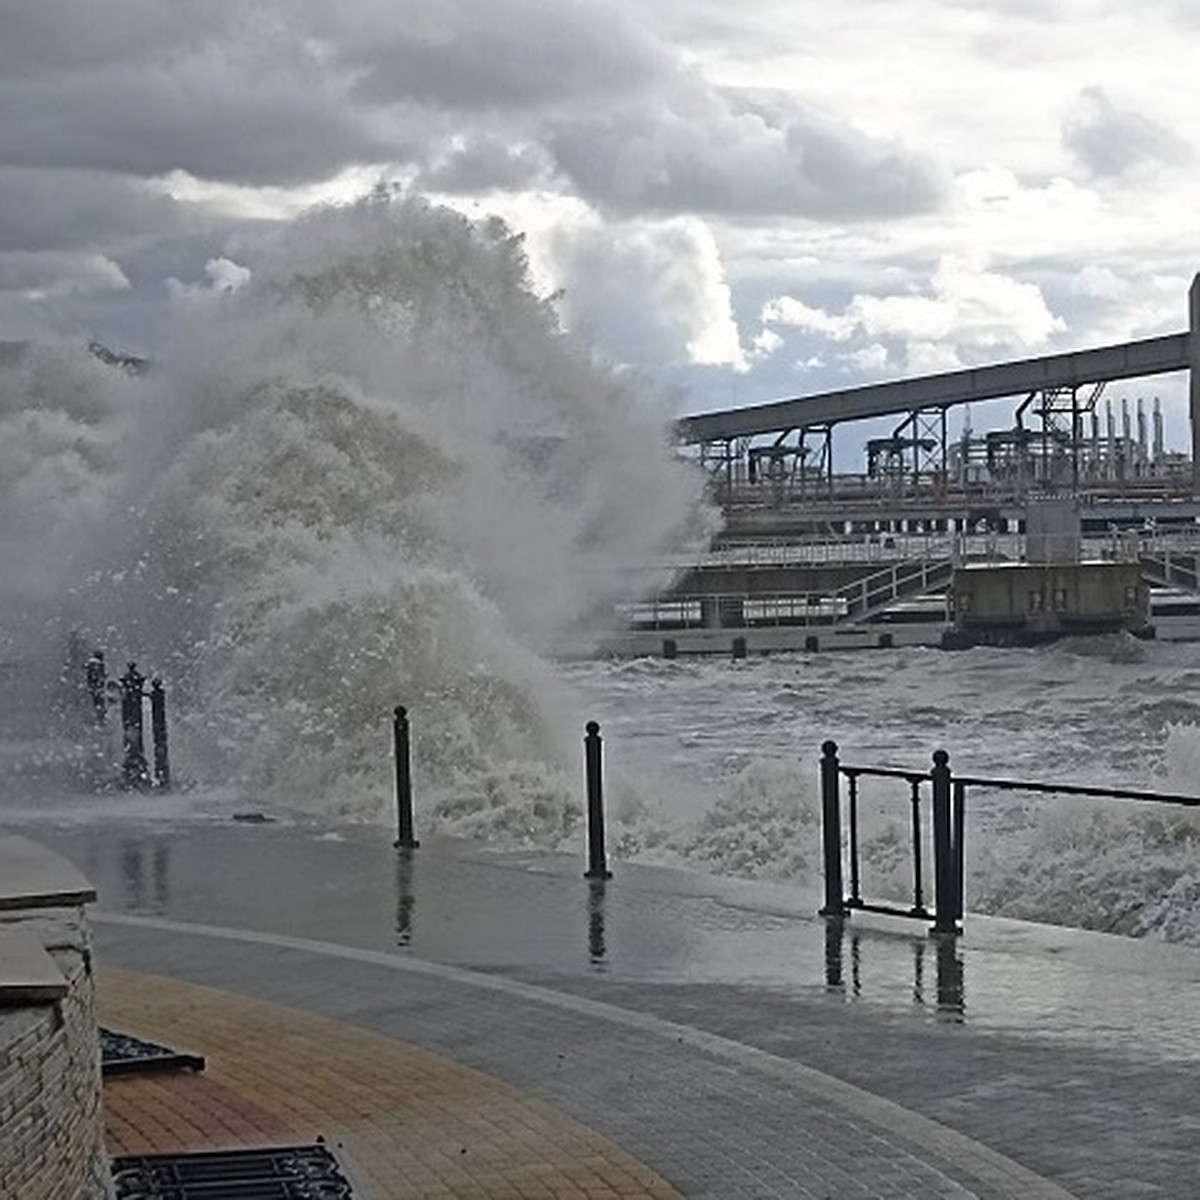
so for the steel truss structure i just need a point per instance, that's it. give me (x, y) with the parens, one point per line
(790, 442)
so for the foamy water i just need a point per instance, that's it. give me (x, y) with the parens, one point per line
(728, 751)
(377, 474)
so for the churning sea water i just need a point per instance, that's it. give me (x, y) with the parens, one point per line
(717, 761)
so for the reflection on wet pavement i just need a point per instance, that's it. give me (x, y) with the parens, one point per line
(405, 896)
(595, 908)
(948, 994)
(144, 873)
(534, 914)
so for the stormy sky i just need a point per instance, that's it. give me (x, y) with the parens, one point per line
(742, 201)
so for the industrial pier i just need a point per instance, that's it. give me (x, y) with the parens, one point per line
(1073, 517)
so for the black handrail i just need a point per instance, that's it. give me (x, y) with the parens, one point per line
(1027, 785)
(883, 772)
(1075, 789)
(949, 821)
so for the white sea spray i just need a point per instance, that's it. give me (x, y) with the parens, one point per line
(378, 473)
(1182, 759)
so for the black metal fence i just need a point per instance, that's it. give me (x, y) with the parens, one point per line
(946, 794)
(129, 691)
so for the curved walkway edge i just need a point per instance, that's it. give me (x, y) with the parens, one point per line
(713, 1116)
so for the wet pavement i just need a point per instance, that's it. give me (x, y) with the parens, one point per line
(716, 1029)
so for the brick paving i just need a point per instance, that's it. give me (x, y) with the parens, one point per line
(403, 1121)
(178, 1110)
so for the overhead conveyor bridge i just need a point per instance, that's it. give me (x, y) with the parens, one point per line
(1058, 389)
(1130, 360)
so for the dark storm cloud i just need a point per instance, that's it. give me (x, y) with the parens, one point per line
(619, 114)
(222, 116)
(42, 35)
(460, 54)
(1110, 141)
(285, 96)
(44, 208)
(724, 153)
(100, 102)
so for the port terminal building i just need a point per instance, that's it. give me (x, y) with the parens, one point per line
(1072, 517)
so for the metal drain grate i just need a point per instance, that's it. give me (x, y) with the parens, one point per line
(124, 1054)
(277, 1173)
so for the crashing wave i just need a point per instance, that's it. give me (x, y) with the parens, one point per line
(378, 472)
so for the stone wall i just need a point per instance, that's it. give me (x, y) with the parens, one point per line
(51, 1128)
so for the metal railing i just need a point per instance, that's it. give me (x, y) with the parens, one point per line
(1172, 569)
(947, 796)
(900, 581)
(845, 549)
(733, 610)
(866, 491)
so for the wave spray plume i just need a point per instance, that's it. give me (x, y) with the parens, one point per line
(376, 473)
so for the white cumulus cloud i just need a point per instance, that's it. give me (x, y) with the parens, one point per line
(965, 311)
(648, 291)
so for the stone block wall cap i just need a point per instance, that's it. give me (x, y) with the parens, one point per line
(33, 877)
(28, 975)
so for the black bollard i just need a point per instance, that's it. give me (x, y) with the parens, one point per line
(134, 771)
(945, 866)
(404, 806)
(96, 674)
(597, 866)
(831, 831)
(158, 731)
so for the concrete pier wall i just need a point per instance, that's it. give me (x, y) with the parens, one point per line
(51, 1130)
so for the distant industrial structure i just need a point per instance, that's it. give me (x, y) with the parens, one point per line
(1056, 440)
(915, 546)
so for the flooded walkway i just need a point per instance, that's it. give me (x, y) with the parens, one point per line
(714, 1030)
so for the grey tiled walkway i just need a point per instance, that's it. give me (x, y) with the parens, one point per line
(717, 1119)
(717, 1030)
